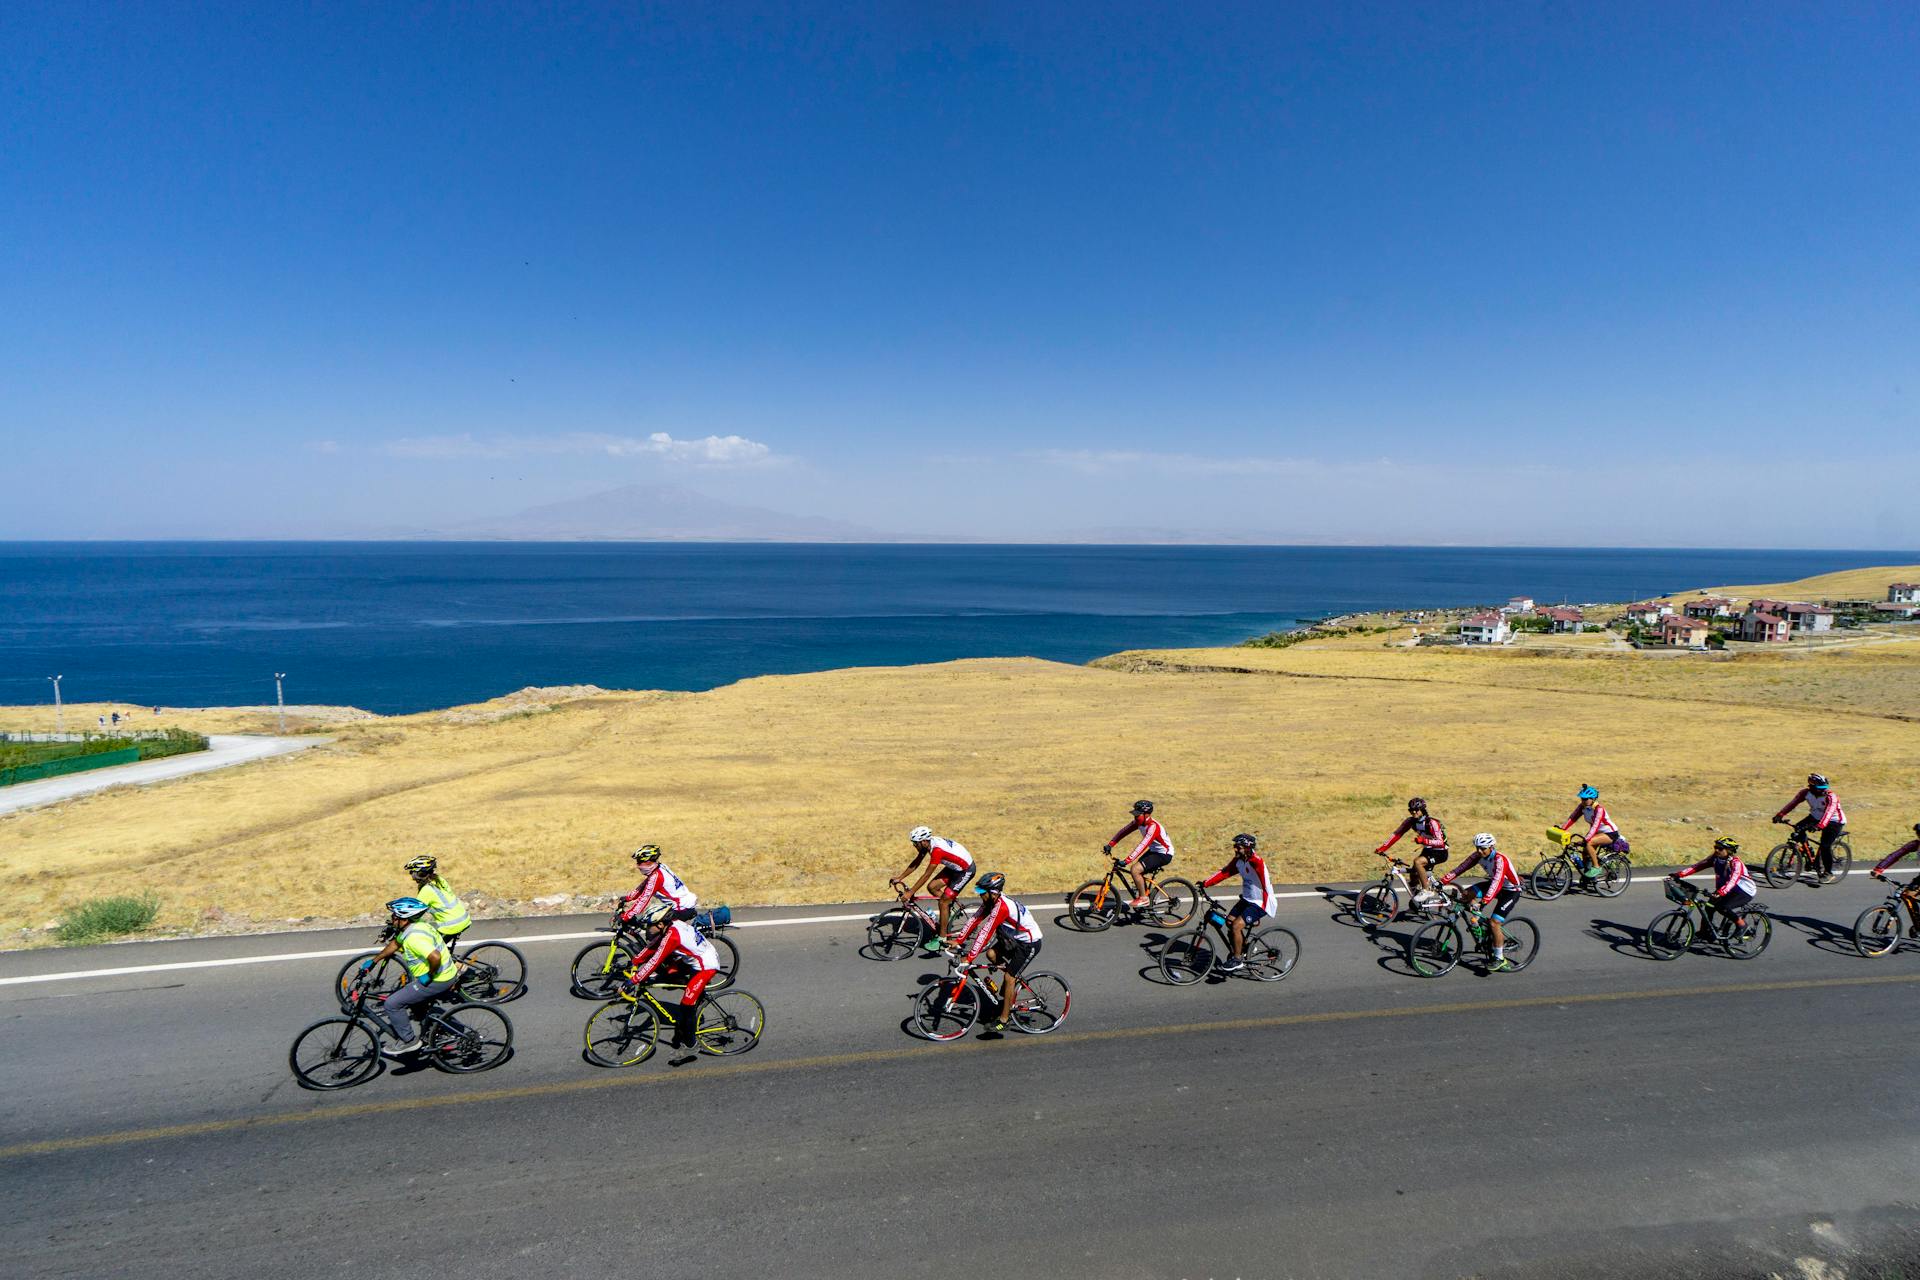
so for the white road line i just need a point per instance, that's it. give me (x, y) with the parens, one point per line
(234, 961)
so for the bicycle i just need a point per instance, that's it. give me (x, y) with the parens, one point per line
(599, 968)
(624, 1031)
(1794, 860)
(1435, 948)
(1672, 932)
(1559, 872)
(898, 932)
(1379, 903)
(491, 972)
(1096, 905)
(947, 1008)
(1877, 932)
(1186, 958)
(458, 1036)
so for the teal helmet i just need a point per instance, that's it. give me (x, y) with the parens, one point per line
(1589, 793)
(408, 908)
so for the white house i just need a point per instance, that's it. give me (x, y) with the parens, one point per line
(1807, 617)
(1709, 607)
(1486, 628)
(1649, 612)
(1904, 593)
(1519, 604)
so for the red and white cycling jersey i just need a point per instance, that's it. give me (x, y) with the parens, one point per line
(1255, 885)
(680, 939)
(1500, 873)
(1152, 836)
(1427, 832)
(1824, 809)
(1905, 849)
(949, 853)
(664, 884)
(1728, 875)
(1599, 821)
(1004, 915)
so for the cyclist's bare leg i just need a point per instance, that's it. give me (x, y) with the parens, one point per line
(1237, 927)
(1417, 872)
(1910, 898)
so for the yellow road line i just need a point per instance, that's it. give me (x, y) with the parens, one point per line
(865, 1057)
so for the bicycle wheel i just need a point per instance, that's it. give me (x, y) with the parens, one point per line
(1435, 948)
(1377, 904)
(728, 1022)
(1271, 954)
(385, 979)
(1749, 938)
(1842, 857)
(1877, 931)
(1040, 1002)
(1185, 958)
(1091, 911)
(622, 1033)
(1670, 934)
(1552, 878)
(1523, 941)
(1170, 903)
(493, 973)
(893, 935)
(335, 1053)
(938, 1016)
(1782, 867)
(600, 968)
(1616, 873)
(469, 1037)
(729, 962)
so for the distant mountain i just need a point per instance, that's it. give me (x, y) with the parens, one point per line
(657, 513)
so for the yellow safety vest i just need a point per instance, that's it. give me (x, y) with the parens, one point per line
(450, 915)
(418, 942)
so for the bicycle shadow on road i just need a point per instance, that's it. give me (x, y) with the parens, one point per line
(1625, 939)
(1344, 903)
(1822, 935)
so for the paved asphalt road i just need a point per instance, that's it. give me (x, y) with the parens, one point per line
(1598, 1114)
(224, 750)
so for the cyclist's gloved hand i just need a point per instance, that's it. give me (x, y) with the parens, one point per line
(366, 967)
(1381, 849)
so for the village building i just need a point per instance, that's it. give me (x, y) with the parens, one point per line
(1759, 627)
(1807, 618)
(1649, 612)
(1519, 604)
(1563, 621)
(1486, 628)
(1904, 593)
(1709, 607)
(1684, 633)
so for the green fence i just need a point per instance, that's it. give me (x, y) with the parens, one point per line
(70, 764)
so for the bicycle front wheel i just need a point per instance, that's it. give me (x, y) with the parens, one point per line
(938, 1015)
(1377, 904)
(1523, 941)
(1670, 934)
(1271, 954)
(893, 935)
(335, 1053)
(1170, 903)
(1750, 937)
(470, 1037)
(600, 968)
(493, 973)
(1616, 873)
(1552, 878)
(381, 981)
(1092, 907)
(1040, 1002)
(729, 962)
(1435, 948)
(728, 1022)
(1877, 931)
(1842, 857)
(1185, 958)
(1782, 867)
(622, 1033)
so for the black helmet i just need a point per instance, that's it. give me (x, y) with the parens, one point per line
(1416, 805)
(1726, 844)
(1244, 841)
(1818, 781)
(1142, 806)
(1916, 828)
(992, 882)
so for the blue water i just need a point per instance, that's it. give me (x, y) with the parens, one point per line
(398, 627)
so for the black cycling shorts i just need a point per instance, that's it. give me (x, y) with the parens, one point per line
(1153, 860)
(954, 878)
(1016, 953)
(1433, 857)
(1252, 912)
(1504, 904)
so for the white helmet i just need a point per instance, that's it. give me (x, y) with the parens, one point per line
(920, 833)
(1483, 841)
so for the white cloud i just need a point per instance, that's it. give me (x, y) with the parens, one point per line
(703, 451)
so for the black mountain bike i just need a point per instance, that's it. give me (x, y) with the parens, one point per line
(340, 1052)
(1878, 930)
(1436, 948)
(490, 973)
(1797, 861)
(1672, 932)
(1186, 958)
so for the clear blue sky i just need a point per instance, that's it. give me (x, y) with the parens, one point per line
(1375, 273)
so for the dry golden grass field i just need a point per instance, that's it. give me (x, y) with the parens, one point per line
(802, 788)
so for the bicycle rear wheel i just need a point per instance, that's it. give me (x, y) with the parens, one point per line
(728, 1022)
(1877, 931)
(335, 1053)
(1040, 1002)
(1552, 878)
(1090, 910)
(382, 981)
(1523, 941)
(1170, 903)
(1782, 867)
(1185, 958)
(600, 968)
(938, 1015)
(1749, 938)
(1670, 934)
(1842, 857)
(1435, 948)
(469, 1037)
(729, 962)
(893, 935)
(493, 973)
(1271, 954)
(1616, 873)
(622, 1033)
(1376, 904)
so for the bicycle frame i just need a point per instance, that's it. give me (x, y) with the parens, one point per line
(1148, 882)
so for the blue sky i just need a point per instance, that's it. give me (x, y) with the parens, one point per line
(1561, 274)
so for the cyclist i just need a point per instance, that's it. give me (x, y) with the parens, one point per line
(1909, 896)
(1430, 841)
(430, 971)
(1010, 929)
(1256, 896)
(1732, 882)
(949, 867)
(450, 915)
(1824, 815)
(1153, 852)
(657, 882)
(1601, 833)
(676, 944)
(1498, 893)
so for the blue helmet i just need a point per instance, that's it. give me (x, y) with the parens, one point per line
(1589, 793)
(408, 908)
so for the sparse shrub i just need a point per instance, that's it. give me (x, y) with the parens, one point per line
(99, 918)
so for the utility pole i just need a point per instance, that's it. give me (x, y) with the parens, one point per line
(59, 712)
(280, 698)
